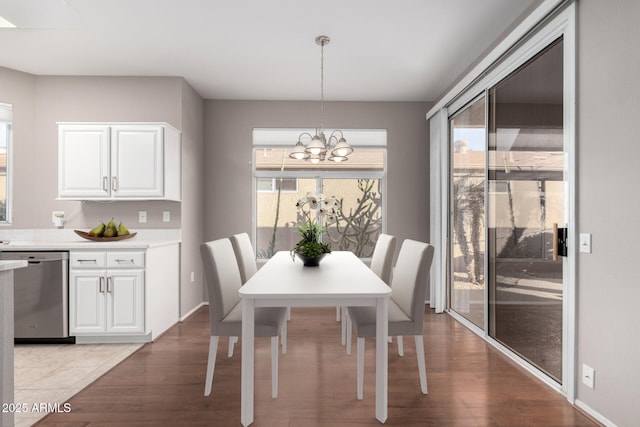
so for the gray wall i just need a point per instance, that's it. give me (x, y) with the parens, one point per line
(228, 155)
(192, 220)
(41, 101)
(609, 206)
(19, 89)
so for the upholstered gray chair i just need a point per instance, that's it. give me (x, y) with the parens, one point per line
(246, 257)
(225, 308)
(406, 306)
(382, 265)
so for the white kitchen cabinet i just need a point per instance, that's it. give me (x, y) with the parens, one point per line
(106, 292)
(126, 161)
(83, 161)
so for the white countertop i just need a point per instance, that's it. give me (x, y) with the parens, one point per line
(33, 240)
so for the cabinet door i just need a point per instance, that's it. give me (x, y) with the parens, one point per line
(83, 161)
(125, 301)
(137, 161)
(87, 302)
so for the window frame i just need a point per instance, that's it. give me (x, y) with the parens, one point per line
(9, 158)
(274, 186)
(318, 174)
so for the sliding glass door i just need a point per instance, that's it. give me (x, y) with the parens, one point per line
(507, 190)
(526, 161)
(467, 213)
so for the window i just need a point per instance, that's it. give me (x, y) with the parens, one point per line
(272, 185)
(280, 182)
(6, 118)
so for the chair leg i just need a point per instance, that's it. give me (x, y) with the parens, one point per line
(421, 363)
(288, 313)
(232, 341)
(211, 364)
(400, 346)
(274, 367)
(349, 328)
(360, 373)
(283, 336)
(344, 325)
(337, 313)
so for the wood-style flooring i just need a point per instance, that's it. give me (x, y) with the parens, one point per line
(470, 383)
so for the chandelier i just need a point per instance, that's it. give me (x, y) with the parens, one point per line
(319, 147)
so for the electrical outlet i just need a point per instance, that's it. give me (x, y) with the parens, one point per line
(57, 217)
(142, 217)
(166, 216)
(57, 214)
(588, 376)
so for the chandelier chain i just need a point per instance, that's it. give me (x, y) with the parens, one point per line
(322, 86)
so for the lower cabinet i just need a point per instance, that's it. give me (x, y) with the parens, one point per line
(107, 293)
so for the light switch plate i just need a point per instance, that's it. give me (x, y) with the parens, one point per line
(166, 216)
(585, 243)
(142, 217)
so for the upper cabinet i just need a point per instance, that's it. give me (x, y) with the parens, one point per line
(118, 161)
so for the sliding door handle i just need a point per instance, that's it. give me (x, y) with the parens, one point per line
(559, 242)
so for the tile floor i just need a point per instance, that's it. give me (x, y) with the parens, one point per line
(49, 374)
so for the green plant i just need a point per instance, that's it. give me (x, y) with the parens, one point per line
(312, 249)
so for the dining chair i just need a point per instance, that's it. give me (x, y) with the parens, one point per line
(406, 307)
(382, 265)
(246, 257)
(225, 308)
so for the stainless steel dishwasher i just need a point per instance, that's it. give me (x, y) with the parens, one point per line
(41, 297)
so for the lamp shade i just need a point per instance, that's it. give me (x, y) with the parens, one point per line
(342, 148)
(316, 146)
(299, 152)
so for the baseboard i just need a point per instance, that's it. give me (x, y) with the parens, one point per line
(593, 413)
(114, 339)
(184, 317)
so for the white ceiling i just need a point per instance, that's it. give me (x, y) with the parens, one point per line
(380, 50)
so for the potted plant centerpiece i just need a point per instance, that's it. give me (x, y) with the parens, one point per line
(311, 249)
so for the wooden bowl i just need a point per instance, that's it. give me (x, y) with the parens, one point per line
(85, 235)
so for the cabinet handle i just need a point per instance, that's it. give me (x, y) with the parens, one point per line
(95, 261)
(105, 183)
(101, 284)
(114, 183)
(130, 261)
(109, 288)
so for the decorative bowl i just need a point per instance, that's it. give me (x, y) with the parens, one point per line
(85, 235)
(310, 262)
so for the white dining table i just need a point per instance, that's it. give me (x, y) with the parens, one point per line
(341, 279)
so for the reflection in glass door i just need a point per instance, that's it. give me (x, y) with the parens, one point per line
(525, 199)
(466, 276)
